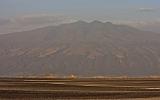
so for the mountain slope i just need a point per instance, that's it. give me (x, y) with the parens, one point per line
(81, 48)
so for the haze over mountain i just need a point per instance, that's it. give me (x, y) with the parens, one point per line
(31, 21)
(153, 26)
(34, 21)
(81, 48)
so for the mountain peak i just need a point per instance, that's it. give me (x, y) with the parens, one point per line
(108, 23)
(80, 22)
(96, 22)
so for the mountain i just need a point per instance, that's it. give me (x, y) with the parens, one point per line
(81, 48)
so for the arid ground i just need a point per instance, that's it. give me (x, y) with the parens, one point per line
(78, 88)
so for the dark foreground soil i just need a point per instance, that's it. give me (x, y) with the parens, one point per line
(81, 88)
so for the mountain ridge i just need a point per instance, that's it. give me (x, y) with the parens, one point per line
(81, 48)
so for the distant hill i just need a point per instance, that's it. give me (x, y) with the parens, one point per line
(81, 48)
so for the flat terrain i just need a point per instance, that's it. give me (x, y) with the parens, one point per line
(79, 88)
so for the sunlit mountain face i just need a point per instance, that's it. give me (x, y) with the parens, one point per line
(81, 48)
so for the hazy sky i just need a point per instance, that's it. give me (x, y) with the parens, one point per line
(85, 9)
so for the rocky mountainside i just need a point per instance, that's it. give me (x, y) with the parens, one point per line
(81, 48)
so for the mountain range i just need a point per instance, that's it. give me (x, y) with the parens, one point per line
(81, 48)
